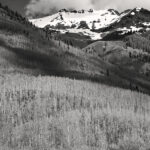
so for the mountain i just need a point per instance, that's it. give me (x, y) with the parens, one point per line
(136, 20)
(82, 21)
(97, 24)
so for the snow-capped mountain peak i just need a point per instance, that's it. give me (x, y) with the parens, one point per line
(138, 9)
(94, 22)
(79, 21)
(73, 18)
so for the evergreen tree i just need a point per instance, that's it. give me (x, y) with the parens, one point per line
(107, 73)
(130, 54)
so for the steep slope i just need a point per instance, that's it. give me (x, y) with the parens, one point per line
(136, 20)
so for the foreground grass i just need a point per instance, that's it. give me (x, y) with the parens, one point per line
(50, 113)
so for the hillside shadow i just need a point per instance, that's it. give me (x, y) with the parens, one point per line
(49, 65)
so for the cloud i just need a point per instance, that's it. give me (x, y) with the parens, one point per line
(45, 7)
(105, 4)
(50, 6)
(120, 5)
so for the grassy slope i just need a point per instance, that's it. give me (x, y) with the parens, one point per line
(63, 114)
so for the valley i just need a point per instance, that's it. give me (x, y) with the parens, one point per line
(75, 80)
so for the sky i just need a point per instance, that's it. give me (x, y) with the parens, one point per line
(35, 8)
(17, 5)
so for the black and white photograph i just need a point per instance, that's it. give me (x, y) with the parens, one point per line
(74, 74)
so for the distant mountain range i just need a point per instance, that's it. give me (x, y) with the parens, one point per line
(97, 24)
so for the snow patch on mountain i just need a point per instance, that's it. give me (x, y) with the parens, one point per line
(138, 9)
(93, 35)
(146, 23)
(126, 30)
(133, 13)
(135, 29)
(86, 32)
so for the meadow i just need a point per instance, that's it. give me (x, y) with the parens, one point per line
(54, 113)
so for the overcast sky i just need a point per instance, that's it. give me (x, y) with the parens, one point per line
(34, 7)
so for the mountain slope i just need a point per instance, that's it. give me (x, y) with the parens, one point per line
(130, 64)
(136, 20)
